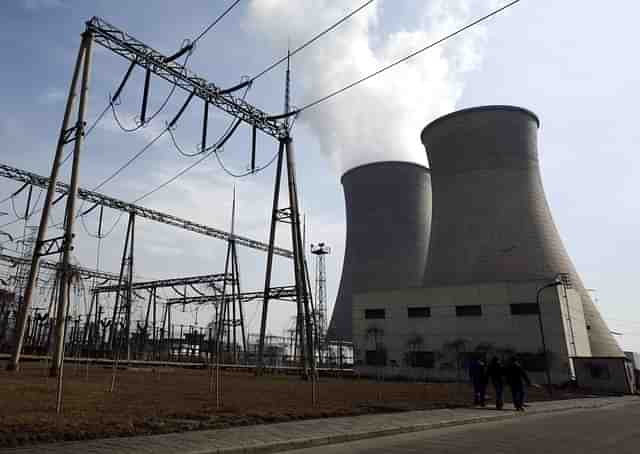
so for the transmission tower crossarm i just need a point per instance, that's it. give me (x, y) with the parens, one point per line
(16, 174)
(286, 293)
(164, 283)
(84, 272)
(173, 72)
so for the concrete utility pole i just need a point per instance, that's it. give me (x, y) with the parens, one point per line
(67, 135)
(67, 242)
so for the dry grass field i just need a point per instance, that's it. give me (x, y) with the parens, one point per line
(162, 400)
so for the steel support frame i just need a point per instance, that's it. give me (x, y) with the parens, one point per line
(231, 315)
(164, 283)
(285, 293)
(303, 305)
(138, 53)
(97, 198)
(78, 270)
(153, 61)
(123, 284)
(300, 266)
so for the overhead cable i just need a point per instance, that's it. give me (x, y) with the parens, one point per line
(402, 60)
(312, 40)
(215, 22)
(186, 47)
(101, 235)
(10, 197)
(131, 160)
(87, 132)
(248, 172)
(189, 167)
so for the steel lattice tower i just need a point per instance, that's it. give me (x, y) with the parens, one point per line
(320, 250)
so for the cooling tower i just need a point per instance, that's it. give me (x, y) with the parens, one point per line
(491, 220)
(388, 214)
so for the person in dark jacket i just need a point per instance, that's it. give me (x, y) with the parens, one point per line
(495, 374)
(478, 376)
(517, 379)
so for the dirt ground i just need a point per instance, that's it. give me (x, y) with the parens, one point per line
(160, 400)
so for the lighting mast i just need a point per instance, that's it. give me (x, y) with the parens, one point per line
(320, 250)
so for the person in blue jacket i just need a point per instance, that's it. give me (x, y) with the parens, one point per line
(478, 376)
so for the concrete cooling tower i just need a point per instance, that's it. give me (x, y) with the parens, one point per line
(388, 214)
(491, 220)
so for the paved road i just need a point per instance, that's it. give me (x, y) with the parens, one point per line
(614, 429)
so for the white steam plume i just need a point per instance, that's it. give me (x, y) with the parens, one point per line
(382, 118)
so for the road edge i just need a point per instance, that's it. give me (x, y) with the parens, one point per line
(308, 442)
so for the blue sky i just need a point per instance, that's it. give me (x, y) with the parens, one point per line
(570, 62)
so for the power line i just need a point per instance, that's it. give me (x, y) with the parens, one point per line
(215, 22)
(218, 143)
(131, 160)
(6, 198)
(176, 176)
(248, 172)
(213, 151)
(12, 222)
(402, 60)
(179, 149)
(114, 102)
(89, 129)
(15, 193)
(28, 215)
(103, 235)
(312, 40)
(208, 152)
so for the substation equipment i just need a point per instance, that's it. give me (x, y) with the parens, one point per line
(72, 134)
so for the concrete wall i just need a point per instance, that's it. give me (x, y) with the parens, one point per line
(496, 327)
(491, 219)
(388, 210)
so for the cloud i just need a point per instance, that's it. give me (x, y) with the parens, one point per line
(382, 118)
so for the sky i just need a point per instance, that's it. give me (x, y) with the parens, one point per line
(570, 62)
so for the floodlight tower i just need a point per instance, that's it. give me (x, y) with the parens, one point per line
(320, 250)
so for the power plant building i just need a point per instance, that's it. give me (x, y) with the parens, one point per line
(491, 259)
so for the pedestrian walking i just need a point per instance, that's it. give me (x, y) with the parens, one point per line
(495, 374)
(478, 376)
(517, 379)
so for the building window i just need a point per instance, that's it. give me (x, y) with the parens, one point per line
(469, 311)
(524, 309)
(422, 359)
(376, 357)
(374, 314)
(418, 312)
